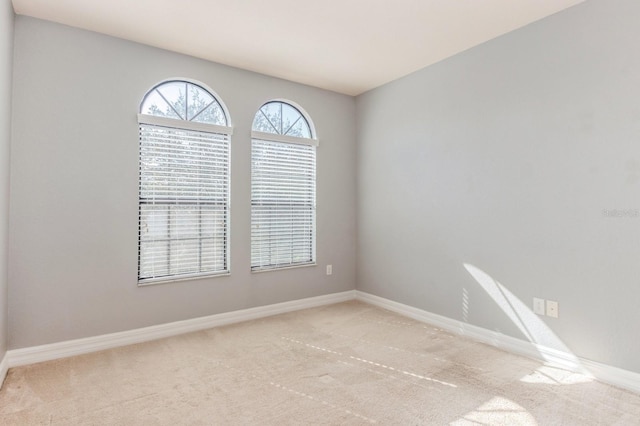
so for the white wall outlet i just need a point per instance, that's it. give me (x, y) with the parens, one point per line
(329, 269)
(552, 308)
(538, 306)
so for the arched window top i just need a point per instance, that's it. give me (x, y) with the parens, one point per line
(284, 119)
(184, 100)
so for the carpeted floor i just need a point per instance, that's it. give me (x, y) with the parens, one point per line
(349, 363)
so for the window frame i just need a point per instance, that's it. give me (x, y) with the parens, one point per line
(312, 141)
(179, 124)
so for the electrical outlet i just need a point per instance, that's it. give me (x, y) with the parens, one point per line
(538, 306)
(329, 269)
(552, 308)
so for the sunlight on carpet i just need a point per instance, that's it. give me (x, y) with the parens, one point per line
(498, 411)
(345, 364)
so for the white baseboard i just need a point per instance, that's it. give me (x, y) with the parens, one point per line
(602, 372)
(31, 355)
(4, 368)
(605, 373)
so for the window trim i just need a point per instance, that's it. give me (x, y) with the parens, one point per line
(302, 111)
(194, 82)
(184, 277)
(187, 125)
(282, 268)
(273, 137)
(314, 142)
(175, 123)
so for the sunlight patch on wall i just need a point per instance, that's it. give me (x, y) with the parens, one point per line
(531, 326)
(465, 305)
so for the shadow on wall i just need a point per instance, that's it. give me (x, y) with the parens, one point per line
(531, 326)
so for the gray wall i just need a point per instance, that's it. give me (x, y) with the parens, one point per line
(73, 242)
(521, 159)
(6, 66)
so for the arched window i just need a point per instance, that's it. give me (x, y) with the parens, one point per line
(283, 188)
(184, 183)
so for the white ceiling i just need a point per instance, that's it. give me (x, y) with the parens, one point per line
(348, 46)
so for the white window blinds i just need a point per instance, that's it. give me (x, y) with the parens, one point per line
(283, 197)
(183, 198)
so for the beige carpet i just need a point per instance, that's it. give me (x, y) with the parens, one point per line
(349, 363)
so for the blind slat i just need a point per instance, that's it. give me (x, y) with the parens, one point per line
(283, 197)
(183, 203)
